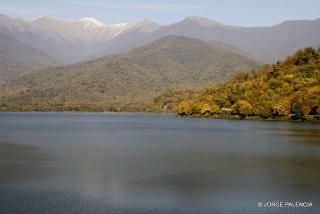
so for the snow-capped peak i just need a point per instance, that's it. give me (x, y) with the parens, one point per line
(92, 21)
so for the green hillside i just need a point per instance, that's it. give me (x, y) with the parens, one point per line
(286, 90)
(125, 82)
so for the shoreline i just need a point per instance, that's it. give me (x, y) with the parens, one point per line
(309, 119)
(254, 118)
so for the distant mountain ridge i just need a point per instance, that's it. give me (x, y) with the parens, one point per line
(64, 40)
(126, 81)
(71, 41)
(268, 44)
(17, 58)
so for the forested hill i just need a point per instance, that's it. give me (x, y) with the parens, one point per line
(125, 82)
(286, 90)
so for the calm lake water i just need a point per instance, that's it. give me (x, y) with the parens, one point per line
(74, 163)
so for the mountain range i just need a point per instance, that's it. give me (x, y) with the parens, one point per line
(129, 79)
(71, 41)
(56, 64)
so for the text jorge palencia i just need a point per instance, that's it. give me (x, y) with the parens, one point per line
(285, 204)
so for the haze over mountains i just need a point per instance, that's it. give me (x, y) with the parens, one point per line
(168, 63)
(66, 41)
(17, 58)
(71, 41)
(54, 63)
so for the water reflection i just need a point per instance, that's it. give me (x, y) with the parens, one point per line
(154, 164)
(309, 136)
(24, 162)
(20, 153)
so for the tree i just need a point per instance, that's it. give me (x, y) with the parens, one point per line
(296, 110)
(275, 83)
(276, 70)
(304, 56)
(281, 108)
(243, 107)
(209, 109)
(183, 108)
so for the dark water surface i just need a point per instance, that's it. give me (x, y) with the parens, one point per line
(138, 163)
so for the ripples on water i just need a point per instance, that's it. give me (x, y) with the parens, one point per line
(137, 163)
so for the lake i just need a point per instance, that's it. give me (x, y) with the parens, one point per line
(74, 163)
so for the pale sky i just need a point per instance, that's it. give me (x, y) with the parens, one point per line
(233, 12)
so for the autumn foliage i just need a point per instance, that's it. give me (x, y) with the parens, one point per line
(286, 90)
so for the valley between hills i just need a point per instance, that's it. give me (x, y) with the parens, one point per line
(197, 67)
